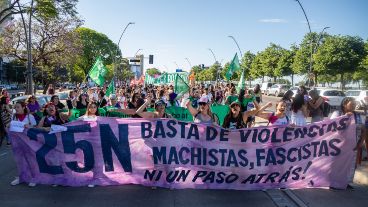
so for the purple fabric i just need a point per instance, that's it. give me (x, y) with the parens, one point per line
(33, 107)
(328, 160)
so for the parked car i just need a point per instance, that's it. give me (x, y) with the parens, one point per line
(42, 99)
(265, 86)
(277, 89)
(361, 97)
(63, 97)
(333, 97)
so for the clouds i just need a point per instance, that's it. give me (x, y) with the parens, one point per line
(272, 20)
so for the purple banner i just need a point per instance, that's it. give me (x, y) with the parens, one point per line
(170, 153)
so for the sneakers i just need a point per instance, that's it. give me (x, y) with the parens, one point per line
(32, 184)
(91, 186)
(15, 182)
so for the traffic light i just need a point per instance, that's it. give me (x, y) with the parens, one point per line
(150, 59)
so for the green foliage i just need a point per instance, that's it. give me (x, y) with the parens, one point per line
(94, 44)
(42, 10)
(245, 64)
(339, 55)
(153, 71)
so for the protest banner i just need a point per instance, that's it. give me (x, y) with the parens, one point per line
(166, 78)
(175, 154)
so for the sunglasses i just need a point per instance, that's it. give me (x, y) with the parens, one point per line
(202, 103)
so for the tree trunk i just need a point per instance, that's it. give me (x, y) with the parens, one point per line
(292, 79)
(262, 78)
(274, 79)
(342, 81)
(315, 79)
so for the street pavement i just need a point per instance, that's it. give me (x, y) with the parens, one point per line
(135, 195)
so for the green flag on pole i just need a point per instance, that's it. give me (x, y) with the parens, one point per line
(110, 88)
(98, 72)
(181, 87)
(234, 66)
(241, 84)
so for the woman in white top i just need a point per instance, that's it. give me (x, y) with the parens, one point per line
(299, 112)
(22, 115)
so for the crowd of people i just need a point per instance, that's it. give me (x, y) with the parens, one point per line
(134, 101)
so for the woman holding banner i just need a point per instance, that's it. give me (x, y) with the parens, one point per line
(203, 114)
(348, 105)
(52, 117)
(22, 115)
(159, 112)
(237, 120)
(91, 112)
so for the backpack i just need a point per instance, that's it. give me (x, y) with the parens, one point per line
(326, 109)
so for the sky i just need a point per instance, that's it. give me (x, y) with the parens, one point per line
(174, 30)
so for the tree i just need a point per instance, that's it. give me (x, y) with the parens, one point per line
(153, 71)
(94, 44)
(54, 47)
(340, 55)
(245, 65)
(42, 9)
(284, 65)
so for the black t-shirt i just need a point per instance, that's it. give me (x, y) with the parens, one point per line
(81, 106)
(60, 106)
(102, 103)
(234, 124)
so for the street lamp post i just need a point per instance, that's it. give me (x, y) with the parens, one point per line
(241, 54)
(176, 65)
(190, 65)
(218, 69)
(137, 52)
(311, 44)
(117, 49)
(319, 39)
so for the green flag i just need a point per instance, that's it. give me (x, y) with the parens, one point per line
(234, 66)
(110, 88)
(241, 84)
(98, 72)
(181, 87)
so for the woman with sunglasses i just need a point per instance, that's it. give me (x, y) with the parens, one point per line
(159, 112)
(203, 114)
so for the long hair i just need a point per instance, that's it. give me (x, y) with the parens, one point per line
(228, 117)
(345, 102)
(286, 96)
(298, 102)
(241, 95)
(89, 105)
(257, 89)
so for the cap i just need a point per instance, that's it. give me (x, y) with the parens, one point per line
(112, 96)
(203, 99)
(235, 102)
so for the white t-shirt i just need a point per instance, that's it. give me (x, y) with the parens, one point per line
(30, 120)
